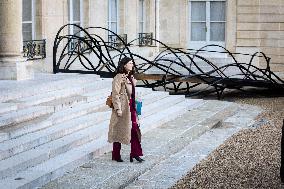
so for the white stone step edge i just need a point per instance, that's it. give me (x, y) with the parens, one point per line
(58, 94)
(7, 107)
(69, 113)
(15, 146)
(53, 95)
(163, 103)
(29, 128)
(211, 121)
(194, 103)
(55, 118)
(50, 86)
(64, 115)
(63, 103)
(41, 99)
(19, 116)
(74, 112)
(104, 93)
(51, 149)
(153, 122)
(25, 142)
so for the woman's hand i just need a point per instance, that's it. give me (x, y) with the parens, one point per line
(119, 113)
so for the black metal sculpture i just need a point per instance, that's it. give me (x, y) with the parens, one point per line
(176, 70)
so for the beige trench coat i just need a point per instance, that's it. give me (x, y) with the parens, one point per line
(120, 127)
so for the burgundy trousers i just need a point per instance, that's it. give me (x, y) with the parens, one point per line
(136, 149)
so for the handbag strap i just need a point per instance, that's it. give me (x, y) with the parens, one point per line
(133, 92)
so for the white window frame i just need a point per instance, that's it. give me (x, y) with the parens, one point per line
(32, 21)
(208, 22)
(142, 20)
(70, 18)
(109, 21)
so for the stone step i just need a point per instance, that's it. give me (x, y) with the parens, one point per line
(67, 102)
(96, 95)
(42, 83)
(59, 129)
(194, 103)
(53, 119)
(154, 96)
(158, 144)
(20, 129)
(77, 111)
(173, 137)
(84, 108)
(67, 98)
(182, 162)
(94, 104)
(46, 97)
(15, 146)
(7, 107)
(18, 116)
(163, 103)
(168, 171)
(83, 152)
(89, 131)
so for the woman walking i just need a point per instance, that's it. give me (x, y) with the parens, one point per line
(124, 126)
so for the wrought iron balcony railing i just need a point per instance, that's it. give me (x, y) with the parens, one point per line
(115, 42)
(79, 45)
(34, 49)
(145, 39)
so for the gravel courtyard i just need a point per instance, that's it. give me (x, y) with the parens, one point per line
(250, 158)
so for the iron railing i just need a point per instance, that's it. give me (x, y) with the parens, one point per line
(34, 49)
(79, 45)
(145, 39)
(117, 41)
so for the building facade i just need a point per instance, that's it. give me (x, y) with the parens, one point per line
(245, 26)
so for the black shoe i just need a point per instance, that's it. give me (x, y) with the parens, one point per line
(137, 159)
(118, 160)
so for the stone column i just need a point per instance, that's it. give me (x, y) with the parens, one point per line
(12, 65)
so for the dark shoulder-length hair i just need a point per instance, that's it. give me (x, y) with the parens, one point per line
(120, 68)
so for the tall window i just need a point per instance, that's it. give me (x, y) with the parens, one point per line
(142, 16)
(75, 15)
(113, 15)
(207, 22)
(217, 20)
(28, 22)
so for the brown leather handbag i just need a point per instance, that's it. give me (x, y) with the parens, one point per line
(109, 101)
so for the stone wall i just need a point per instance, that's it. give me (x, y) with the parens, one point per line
(172, 22)
(260, 27)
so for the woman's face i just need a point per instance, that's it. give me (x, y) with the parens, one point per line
(129, 66)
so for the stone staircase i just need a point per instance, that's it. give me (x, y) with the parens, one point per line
(170, 150)
(55, 123)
